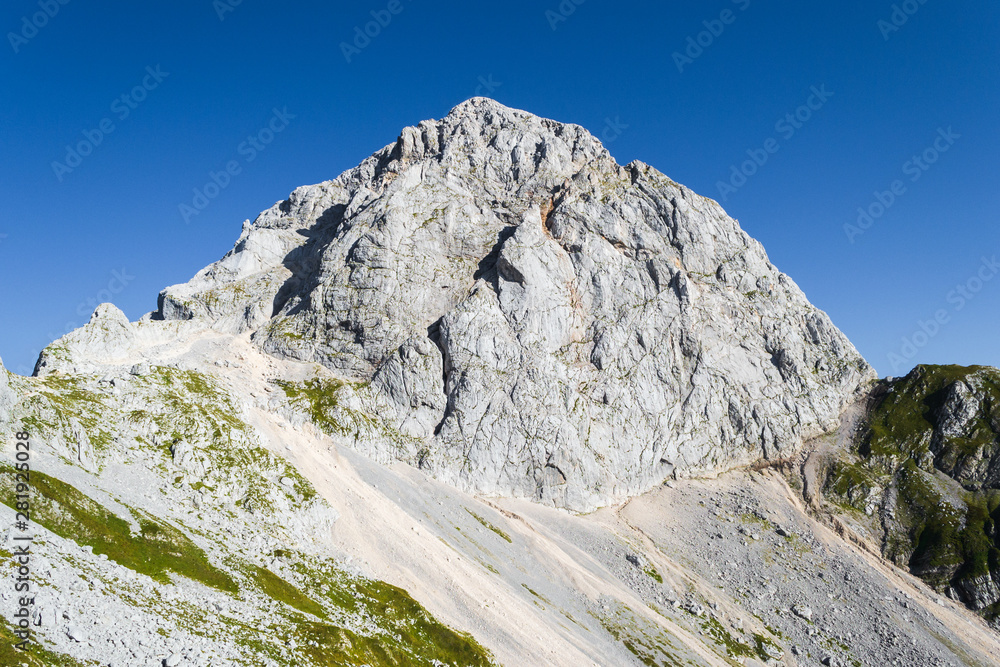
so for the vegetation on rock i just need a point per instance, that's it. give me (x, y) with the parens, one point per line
(926, 469)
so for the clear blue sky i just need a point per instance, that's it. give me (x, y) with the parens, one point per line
(117, 211)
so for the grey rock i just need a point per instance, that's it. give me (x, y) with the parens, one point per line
(694, 608)
(82, 448)
(960, 407)
(957, 451)
(534, 319)
(772, 652)
(412, 383)
(76, 633)
(980, 592)
(107, 337)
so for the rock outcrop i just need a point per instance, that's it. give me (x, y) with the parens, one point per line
(106, 339)
(927, 471)
(534, 319)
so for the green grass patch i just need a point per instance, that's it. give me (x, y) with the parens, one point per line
(320, 398)
(762, 644)
(59, 399)
(734, 648)
(489, 526)
(35, 656)
(155, 550)
(649, 643)
(278, 589)
(411, 635)
(402, 631)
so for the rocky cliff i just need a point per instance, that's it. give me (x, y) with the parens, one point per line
(526, 317)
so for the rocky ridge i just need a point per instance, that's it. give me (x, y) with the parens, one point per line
(170, 528)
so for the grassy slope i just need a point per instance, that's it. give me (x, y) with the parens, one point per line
(338, 619)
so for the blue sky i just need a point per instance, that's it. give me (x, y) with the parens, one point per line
(200, 77)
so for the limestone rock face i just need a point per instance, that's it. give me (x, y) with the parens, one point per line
(966, 440)
(960, 408)
(549, 323)
(980, 592)
(540, 320)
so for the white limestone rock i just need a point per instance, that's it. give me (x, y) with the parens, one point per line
(524, 315)
(960, 408)
(412, 383)
(548, 323)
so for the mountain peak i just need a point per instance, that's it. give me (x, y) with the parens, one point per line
(481, 105)
(523, 316)
(488, 112)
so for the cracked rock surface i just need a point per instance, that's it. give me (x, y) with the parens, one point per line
(529, 318)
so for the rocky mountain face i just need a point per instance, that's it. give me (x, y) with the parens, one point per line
(353, 440)
(527, 317)
(924, 479)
